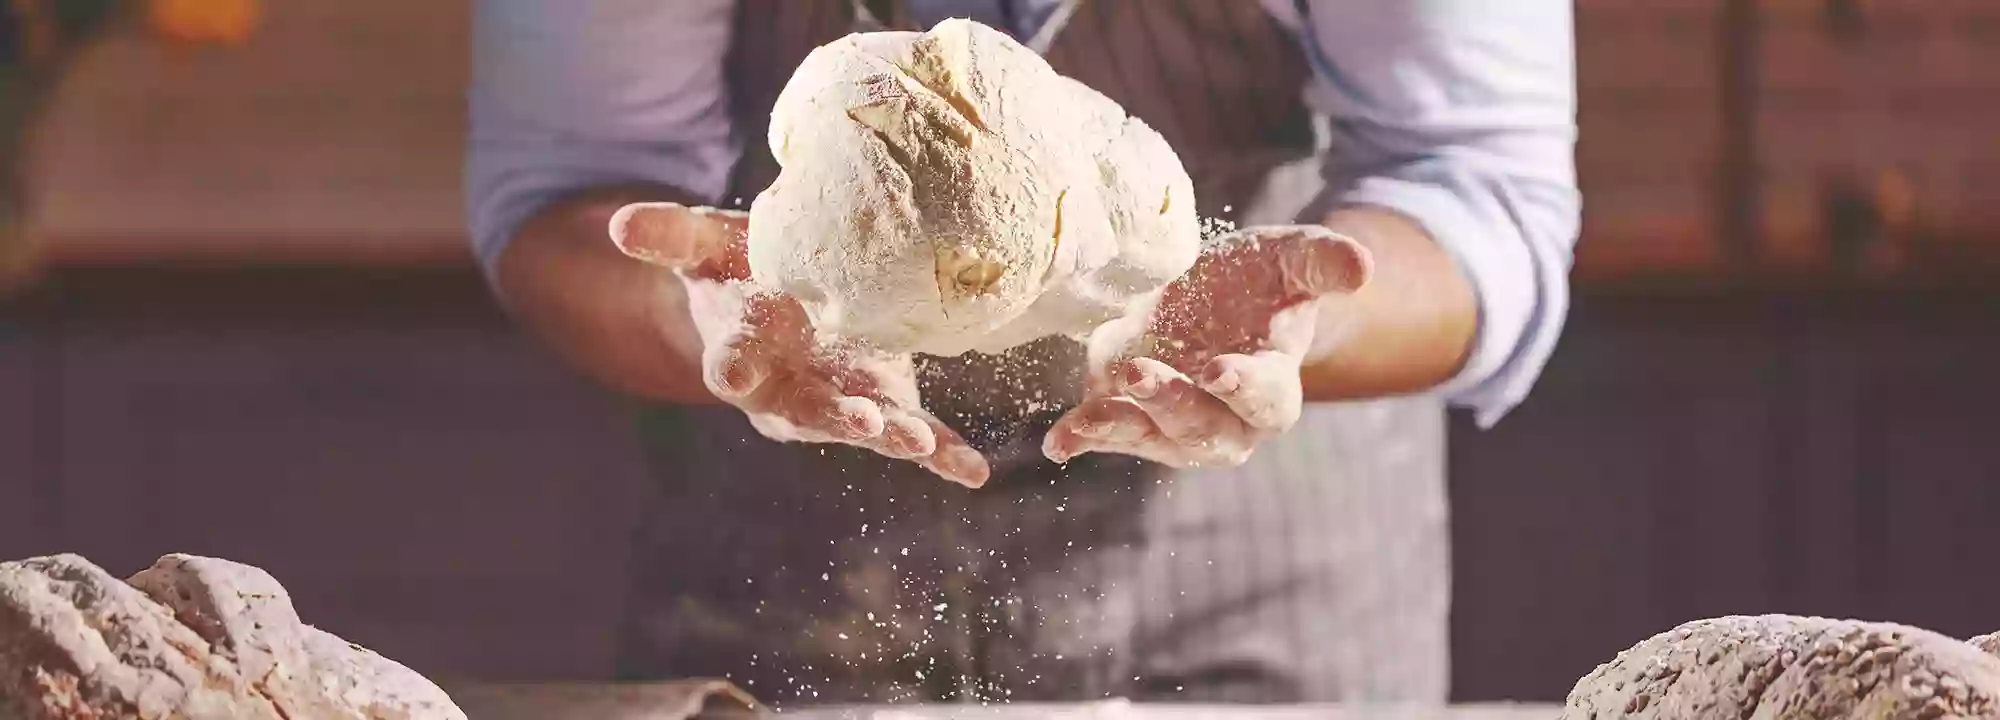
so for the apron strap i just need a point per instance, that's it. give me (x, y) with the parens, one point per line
(1045, 36)
(879, 15)
(872, 15)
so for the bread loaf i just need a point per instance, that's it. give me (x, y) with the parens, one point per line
(189, 637)
(948, 191)
(1776, 666)
(77, 643)
(1989, 643)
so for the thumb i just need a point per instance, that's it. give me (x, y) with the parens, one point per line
(683, 237)
(1321, 262)
(1111, 342)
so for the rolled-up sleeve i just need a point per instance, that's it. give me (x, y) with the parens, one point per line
(571, 95)
(1461, 114)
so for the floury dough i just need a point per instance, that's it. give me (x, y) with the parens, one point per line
(947, 191)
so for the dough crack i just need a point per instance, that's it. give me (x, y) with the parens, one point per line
(931, 64)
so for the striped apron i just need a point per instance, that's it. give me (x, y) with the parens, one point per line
(815, 574)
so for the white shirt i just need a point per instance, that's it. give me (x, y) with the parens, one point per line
(1458, 113)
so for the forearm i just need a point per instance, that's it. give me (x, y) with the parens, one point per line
(1409, 329)
(621, 321)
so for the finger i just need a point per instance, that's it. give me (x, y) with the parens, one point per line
(705, 241)
(1121, 427)
(774, 427)
(905, 436)
(910, 433)
(1262, 389)
(906, 429)
(1321, 262)
(1111, 341)
(864, 382)
(1097, 423)
(1184, 413)
(734, 371)
(821, 412)
(886, 380)
(953, 458)
(1159, 450)
(735, 221)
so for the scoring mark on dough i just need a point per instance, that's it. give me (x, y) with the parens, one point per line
(881, 118)
(979, 276)
(1056, 245)
(944, 67)
(1058, 234)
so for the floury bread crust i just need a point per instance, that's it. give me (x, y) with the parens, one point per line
(948, 191)
(1988, 643)
(1776, 666)
(77, 643)
(189, 638)
(244, 613)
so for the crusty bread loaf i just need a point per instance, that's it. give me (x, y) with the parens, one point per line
(1989, 642)
(189, 637)
(77, 643)
(1777, 666)
(243, 614)
(371, 686)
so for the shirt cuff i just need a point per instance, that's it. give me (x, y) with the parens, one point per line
(1513, 337)
(507, 182)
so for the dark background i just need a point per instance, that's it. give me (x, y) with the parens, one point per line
(242, 324)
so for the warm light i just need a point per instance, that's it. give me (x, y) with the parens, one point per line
(205, 21)
(1896, 195)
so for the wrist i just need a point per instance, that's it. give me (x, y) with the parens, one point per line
(676, 341)
(618, 321)
(1338, 317)
(1409, 329)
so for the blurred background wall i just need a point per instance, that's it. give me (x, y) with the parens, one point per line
(241, 321)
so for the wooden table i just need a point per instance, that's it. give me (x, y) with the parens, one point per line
(681, 700)
(1187, 712)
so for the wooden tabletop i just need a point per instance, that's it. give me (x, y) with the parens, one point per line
(1113, 711)
(694, 699)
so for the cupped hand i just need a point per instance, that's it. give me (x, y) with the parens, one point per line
(1212, 369)
(761, 354)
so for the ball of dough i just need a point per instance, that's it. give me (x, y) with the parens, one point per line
(947, 191)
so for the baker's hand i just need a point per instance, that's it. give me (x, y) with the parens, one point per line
(1213, 368)
(761, 354)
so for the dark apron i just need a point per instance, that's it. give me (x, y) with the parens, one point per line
(827, 574)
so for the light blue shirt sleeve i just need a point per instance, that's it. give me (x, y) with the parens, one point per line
(1461, 114)
(585, 93)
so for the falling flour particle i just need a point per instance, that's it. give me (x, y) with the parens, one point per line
(947, 191)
